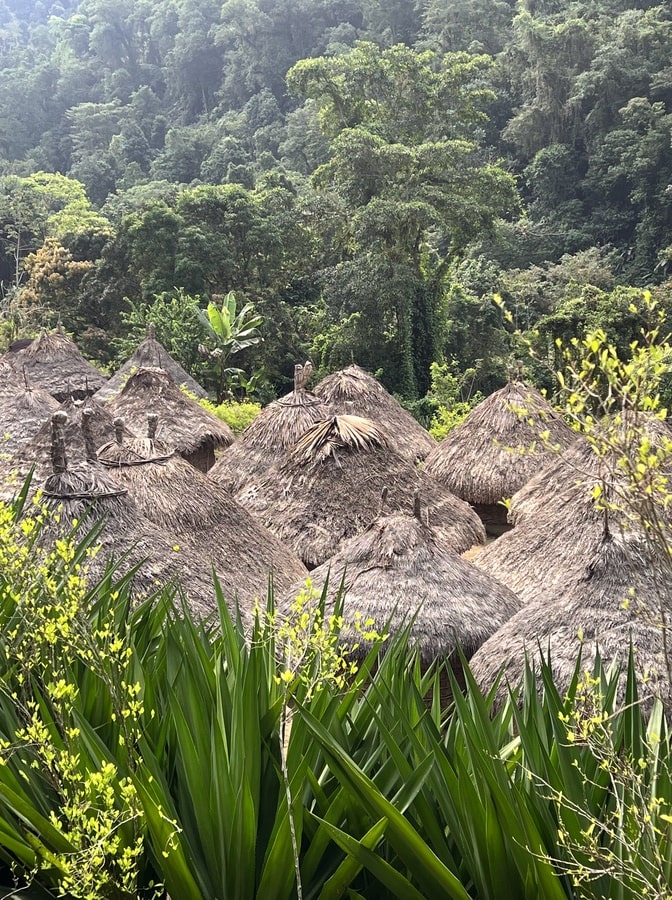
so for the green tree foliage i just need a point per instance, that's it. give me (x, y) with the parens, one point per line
(337, 202)
(592, 124)
(410, 196)
(229, 330)
(478, 26)
(177, 327)
(476, 337)
(47, 219)
(262, 40)
(53, 279)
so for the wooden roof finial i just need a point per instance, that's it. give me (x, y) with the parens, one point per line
(59, 461)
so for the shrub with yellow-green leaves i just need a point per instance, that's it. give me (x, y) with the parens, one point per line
(69, 807)
(237, 414)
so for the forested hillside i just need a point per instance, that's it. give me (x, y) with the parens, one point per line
(368, 174)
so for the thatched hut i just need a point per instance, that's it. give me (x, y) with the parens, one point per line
(329, 486)
(35, 454)
(54, 363)
(24, 409)
(354, 391)
(150, 354)
(86, 493)
(621, 597)
(570, 470)
(270, 436)
(560, 518)
(500, 445)
(184, 424)
(610, 449)
(398, 570)
(200, 513)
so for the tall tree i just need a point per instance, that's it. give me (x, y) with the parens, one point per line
(413, 186)
(40, 206)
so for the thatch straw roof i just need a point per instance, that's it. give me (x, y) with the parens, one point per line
(500, 445)
(200, 512)
(618, 598)
(183, 424)
(575, 467)
(86, 492)
(54, 362)
(398, 570)
(540, 554)
(24, 409)
(560, 521)
(268, 438)
(353, 390)
(330, 485)
(150, 353)
(36, 453)
(586, 463)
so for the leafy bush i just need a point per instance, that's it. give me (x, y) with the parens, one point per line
(236, 414)
(452, 398)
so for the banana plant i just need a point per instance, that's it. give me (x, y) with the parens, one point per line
(229, 331)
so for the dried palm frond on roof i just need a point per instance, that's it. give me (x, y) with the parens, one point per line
(35, 455)
(150, 353)
(86, 493)
(184, 424)
(271, 434)
(54, 363)
(500, 445)
(329, 489)
(353, 390)
(24, 409)
(620, 597)
(339, 433)
(200, 513)
(396, 571)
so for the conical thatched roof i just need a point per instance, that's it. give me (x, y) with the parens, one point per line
(87, 493)
(397, 569)
(183, 424)
(540, 554)
(329, 489)
(150, 353)
(614, 600)
(36, 454)
(187, 504)
(500, 445)
(569, 470)
(268, 438)
(353, 390)
(24, 409)
(53, 362)
(586, 463)
(561, 519)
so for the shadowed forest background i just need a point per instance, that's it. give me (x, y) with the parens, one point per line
(368, 174)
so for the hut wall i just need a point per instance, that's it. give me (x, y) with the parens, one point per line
(494, 518)
(202, 459)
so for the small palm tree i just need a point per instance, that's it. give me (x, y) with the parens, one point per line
(230, 332)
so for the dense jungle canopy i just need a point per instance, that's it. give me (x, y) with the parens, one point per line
(366, 173)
